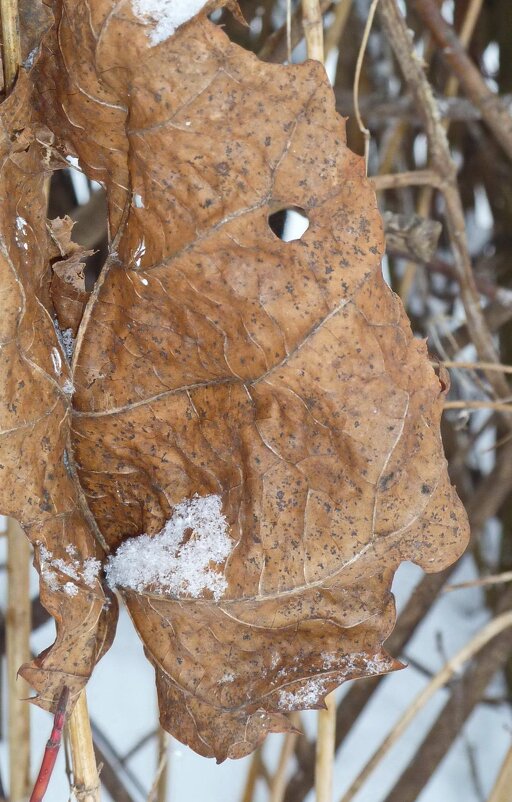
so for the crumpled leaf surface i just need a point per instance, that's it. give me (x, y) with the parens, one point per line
(37, 486)
(215, 359)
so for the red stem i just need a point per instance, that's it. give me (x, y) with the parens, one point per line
(52, 748)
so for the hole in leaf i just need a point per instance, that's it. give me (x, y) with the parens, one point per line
(289, 224)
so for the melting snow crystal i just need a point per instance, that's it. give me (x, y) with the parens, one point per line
(166, 15)
(165, 562)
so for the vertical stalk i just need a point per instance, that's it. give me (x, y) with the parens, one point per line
(18, 652)
(325, 750)
(11, 50)
(163, 765)
(86, 782)
(501, 790)
(313, 29)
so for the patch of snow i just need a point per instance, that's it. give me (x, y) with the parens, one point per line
(169, 562)
(21, 224)
(137, 201)
(68, 342)
(29, 61)
(66, 339)
(144, 281)
(56, 361)
(21, 232)
(306, 696)
(166, 16)
(139, 252)
(82, 572)
(228, 677)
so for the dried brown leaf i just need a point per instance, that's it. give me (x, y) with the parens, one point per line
(36, 483)
(215, 360)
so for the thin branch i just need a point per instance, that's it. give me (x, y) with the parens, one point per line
(448, 363)
(498, 406)
(493, 579)
(85, 772)
(11, 50)
(325, 749)
(493, 628)
(253, 775)
(397, 33)
(313, 29)
(357, 77)
(412, 178)
(426, 195)
(467, 692)
(158, 791)
(501, 790)
(337, 27)
(492, 109)
(278, 781)
(18, 651)
(52, 748)
(275, 48)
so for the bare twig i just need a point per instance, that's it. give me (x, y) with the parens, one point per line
(413, 178)
(468, 691)
(11, 50)
(85, 773)
(493, 628)
(498, 406)
(448, 363)
(492, 109)
(313, 29)
(52, 749)
(426, 195)
(357, 77)
(278, 781)
(18, 651)
(254, 773)
(397, 33)
(158, 791)
(494, 579)
(275, 48)
(325, 749)
(501, 790)
(335, 31)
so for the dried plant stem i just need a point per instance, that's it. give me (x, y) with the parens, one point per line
(11, 48)
(493, 628)
(335, 31)
(52, 749)
(412, 178)
(501, 790)
(253, 775)
(493, 579)
(448, 363)
(158, 792)
(426, 195)
(313, 29)
(397, 33)
(498, 406)
(357, 77)
(275, 48)
(278, 781)
(18, 626)
(325, 750)
(492, 108)
(85, 772)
